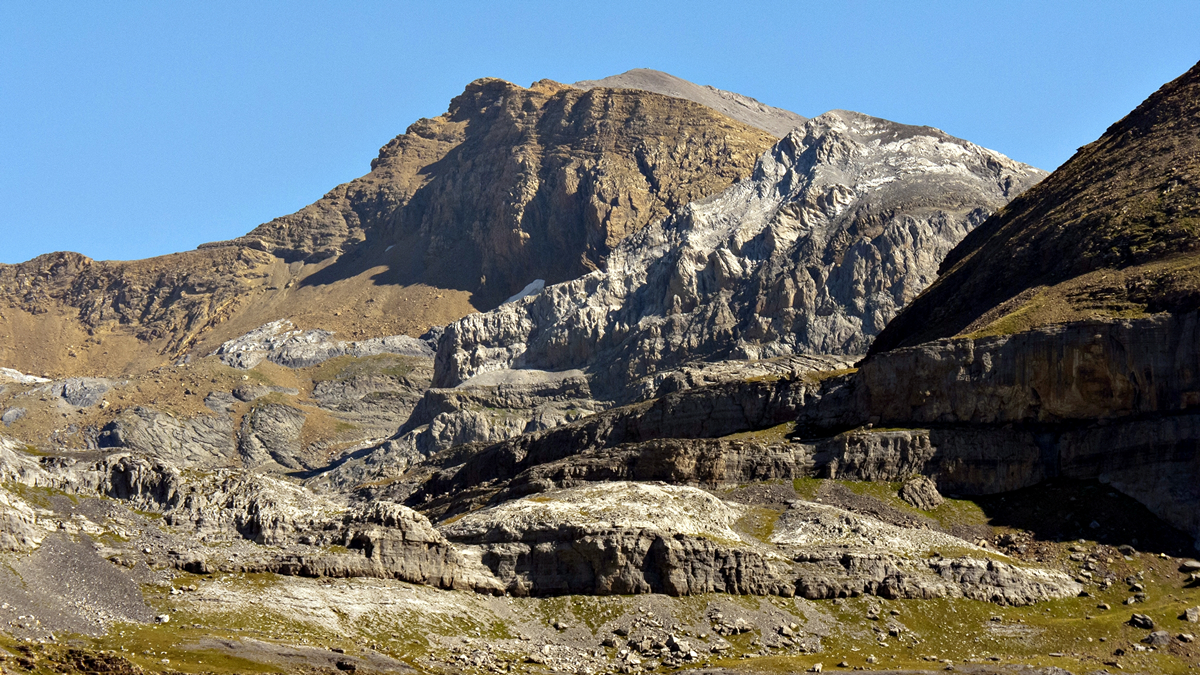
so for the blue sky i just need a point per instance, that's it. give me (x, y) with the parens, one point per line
(135, 129)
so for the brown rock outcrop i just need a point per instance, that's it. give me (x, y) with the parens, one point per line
(458, 213)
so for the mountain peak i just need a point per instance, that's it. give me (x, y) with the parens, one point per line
(775, 121)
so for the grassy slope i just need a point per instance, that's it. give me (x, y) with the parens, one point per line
(1113, 232)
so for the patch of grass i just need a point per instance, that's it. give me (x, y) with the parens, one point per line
(758, 522)
(951, 512)
(349, 367)
(819, 376)
(807, 488)
(773, 434)
(320, 426)
(41, 497)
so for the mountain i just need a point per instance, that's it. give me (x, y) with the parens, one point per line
(843, 222)
(458, 213)
(775, 121)
(1113, 233)
(636, 470)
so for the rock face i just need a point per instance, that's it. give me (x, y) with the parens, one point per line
(921, 493)
(203, 441)
(271, 432)
(621, 538)
(1112, 400)
(513, 184)
(292, 527)
(705, 412)
(1110, 233)
(842, 222)
(775, 121)
(458, 213)
(279, 342)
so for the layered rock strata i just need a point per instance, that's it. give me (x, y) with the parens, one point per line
(1115, 400)
(621, 538)
(841, 223)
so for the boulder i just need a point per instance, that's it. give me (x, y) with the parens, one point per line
(921, 493)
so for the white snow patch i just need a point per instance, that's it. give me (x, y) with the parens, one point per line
(533, 288)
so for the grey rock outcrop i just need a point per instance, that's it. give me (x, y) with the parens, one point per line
(12, 415)
(705, 412)
(501, 405)
(840, 554)
(279, 342)
(1110, 400)
(620, 538)
(272, 432)
(964, 460)
(921, 493)
(294, 529)
(203, 441)
(842, 222)
(82, 392)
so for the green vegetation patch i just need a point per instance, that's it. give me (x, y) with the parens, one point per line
(350, 367)
(775, 434)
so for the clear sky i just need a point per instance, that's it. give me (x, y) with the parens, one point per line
(130, 129)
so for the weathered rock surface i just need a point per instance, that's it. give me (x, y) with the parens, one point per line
(840, 554)
(458, 213)
(620, 538)
(1114, 400)
(272, 432)
(513, 184)
(705, 412)
(921, 493)
(81, 392)
(203, 441)
(841, 223)
(501, 405)
(293, 527)
(279, 342)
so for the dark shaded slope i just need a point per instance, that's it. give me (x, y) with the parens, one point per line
(1112, 233)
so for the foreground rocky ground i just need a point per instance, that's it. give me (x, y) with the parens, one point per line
(107, 587)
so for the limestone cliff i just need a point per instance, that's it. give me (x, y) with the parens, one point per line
(457, 214)
(843, 222)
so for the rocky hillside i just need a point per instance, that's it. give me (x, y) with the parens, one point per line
(843, 222)
(775, 121)
(1112, 233)
(457, 214)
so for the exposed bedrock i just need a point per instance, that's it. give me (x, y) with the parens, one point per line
(623, 537)
(1115, 400)
(841, 223)
(958, 460)
(1069, 372)
(706, 412)
(294, 529)
(500, 405)
(204, 440)
(271, 432)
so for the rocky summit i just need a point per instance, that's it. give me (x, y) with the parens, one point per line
(458, 213)
(574, 381)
